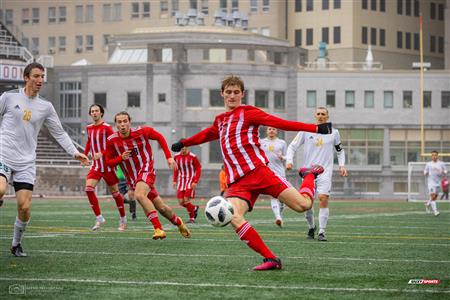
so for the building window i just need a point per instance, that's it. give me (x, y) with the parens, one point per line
(400, 7)
(205, 7)
(383, 5)
(25, 42)
(416, 41)
(89, 42)
(100, 98)
(373, 36)
(79, 43)
(388, 99)
(309, 36)
(215, 153)
(426, 99)
(254, 5)
(25, 16)
(262, 99)
(35, 15)
(369, 99)
(445, 99)
(223, 6)
(382, 37)
(432, 43)
(298, 37)
(441, 44)
(146, 10)
(337, 35)
(416, 8)
(52, 15)
(331, 99)
(217, 55)
(62, 14)
(298, 5)
(89, 13)
(215, 99)
(441, 12)
(193, 97)
(433, 11)
(407, 99)
(70, 99)
(311, 99)
(265, 6)
(337, 4)
(408, 7)
(364, 38)
(35, 45)
(62, 43)
(162, 97)
(349, 98)
(79, 13)
(325, 34)
(364, 4)
(399, 39)
(51, 44)
(107, 13)
(133, 99)
(407, 40)
(325, 4)
(373, 5)
(135, 10)
(365, 146)
(309, 5)
(234, 5)
(279, 102)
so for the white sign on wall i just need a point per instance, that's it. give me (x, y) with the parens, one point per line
(11, 72)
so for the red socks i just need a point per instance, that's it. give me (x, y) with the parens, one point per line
(190, 208)
(249, 235)
(119, 203)
(90, 192)
(307, 186)
(153, 217)
(175, 220)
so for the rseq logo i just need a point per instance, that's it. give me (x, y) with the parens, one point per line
(16, 289)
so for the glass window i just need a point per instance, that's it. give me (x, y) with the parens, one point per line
(215, 153)
(337, 4)
(79, 13)
(167, 55)
(382, 37)
(117, 12)
(70, 99)
(325, 4)
(399, 39)
(400, 7)
(62, 14)
(205, 7)
(325, 34)
(416, 8)
(382, 5)
(349, 98)
(309, 5)
(176, 6)
(52, 14)
(427, 99)
(441, 44)
(217, 55)
(135, 10)
(35, 45)
(408, 7)
(416, 41)
(432, 10)
(298, 5)
(441, 12)
(373, 36)
(407, 99)
(215, 99)
(35, 14)
(133, 99)
(407, 40)
(51, 43)
(223, 5)
(254, 5)
(262, 99)
(369, 99)
(100, 98)
(265, 5)
(89, 42)
(298, 37)
(364, 34)
(161, 97)
(25, 16)
(90, 13)
(388, 99)
(373, 5)
(279, 101)
(146, 9)
(9, 17)
(364, 4)
(107, 12)
(78, 43)
(234, 5)
(337, 34)
(62, 43)
(445, 99)
(432, 43)
(331, 98)
(311, 99)
(309, 37)
(193, 97)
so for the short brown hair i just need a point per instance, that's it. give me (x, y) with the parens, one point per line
(233, 80)
(122, 113)
(29, 67)
(324, 108)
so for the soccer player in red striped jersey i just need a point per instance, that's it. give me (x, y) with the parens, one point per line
(97, 133)
(185, 179)
(246, 164)
(130, 147)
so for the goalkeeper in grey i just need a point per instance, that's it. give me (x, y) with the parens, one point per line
(22, 114)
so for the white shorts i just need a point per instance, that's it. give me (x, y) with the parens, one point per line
(434, 189)
(24, 174)
(323, 184)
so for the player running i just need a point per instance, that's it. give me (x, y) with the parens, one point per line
(434, 169)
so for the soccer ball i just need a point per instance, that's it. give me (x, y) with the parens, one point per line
(219, 211)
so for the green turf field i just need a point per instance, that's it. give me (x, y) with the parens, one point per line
(374, 249)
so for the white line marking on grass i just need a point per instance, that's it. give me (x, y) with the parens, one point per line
(238, 286)
(227, 255)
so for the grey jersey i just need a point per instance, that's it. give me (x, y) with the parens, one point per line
(21, 120)
(273, 149)
(434, 171)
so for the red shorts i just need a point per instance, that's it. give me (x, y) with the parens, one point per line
(149, 179)
(189, 193)
(261, 180)
(109, 177)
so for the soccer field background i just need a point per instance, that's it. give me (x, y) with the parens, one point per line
(374, 249)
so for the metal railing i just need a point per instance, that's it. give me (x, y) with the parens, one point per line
(346, 65)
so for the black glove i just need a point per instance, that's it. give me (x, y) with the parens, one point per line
(177, 146)
(324, 128)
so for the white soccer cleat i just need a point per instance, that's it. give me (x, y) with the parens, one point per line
(436, 213)
(427, 209)
(98, 224)
(122, 226)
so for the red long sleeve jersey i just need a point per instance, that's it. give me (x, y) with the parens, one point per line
(96, 142)
(188, 171)
(237, 131)
(141, 158)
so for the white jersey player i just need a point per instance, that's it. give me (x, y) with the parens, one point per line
(434, 170)
(23, 112)
(275, 150)
(319, 149)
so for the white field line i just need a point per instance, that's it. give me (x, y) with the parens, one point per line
(216, 285)
(102, 253)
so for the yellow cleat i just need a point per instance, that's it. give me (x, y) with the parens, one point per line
(159, 234)
(185, 232)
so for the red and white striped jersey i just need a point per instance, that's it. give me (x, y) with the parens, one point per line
(141, 158)
(188, 171)
(237, 131)
(96, 142)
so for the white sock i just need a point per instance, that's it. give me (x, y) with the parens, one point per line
(433, 206)
(123, 219)
(428, 202)
(323, 219)
(309, 216)
(100, 218)
(276, 208)
(19, 229)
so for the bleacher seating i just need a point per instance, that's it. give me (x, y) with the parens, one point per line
(49, 152)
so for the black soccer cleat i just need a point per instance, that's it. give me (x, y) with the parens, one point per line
(322, 237)
(196, 212)
(316, 170)
(17, 251)
(311, 232)
(133, 216)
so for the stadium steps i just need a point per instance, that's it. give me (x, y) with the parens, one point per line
(49, 152)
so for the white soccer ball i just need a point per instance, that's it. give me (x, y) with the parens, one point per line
(218, 211)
